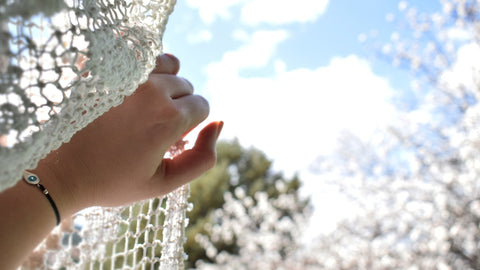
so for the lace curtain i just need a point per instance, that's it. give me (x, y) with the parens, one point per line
(63, 64)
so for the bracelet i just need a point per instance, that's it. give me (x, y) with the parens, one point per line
(33, 179)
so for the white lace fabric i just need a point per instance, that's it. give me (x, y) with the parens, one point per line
(63, 64)
(63, 68)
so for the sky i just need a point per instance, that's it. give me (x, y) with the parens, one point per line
(288, 76)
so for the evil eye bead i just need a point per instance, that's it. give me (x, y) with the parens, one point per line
(31, 178)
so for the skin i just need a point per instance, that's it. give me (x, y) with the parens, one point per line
(117, 159)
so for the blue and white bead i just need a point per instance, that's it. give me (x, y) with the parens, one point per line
(31, 178)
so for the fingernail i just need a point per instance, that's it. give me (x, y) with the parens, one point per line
(174, 61)
(219, 128)
(171, 56)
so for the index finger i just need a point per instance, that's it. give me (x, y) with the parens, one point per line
(194, 109)
(166, 64)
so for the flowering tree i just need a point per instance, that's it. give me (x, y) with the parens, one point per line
(245, 214)
(416, 187)
(267, 238)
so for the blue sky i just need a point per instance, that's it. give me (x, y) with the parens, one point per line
(288, 76)
(334, 31)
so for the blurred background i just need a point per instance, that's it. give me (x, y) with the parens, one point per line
(351, 136)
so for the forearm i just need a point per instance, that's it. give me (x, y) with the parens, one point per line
(26, 215)
(26, 218)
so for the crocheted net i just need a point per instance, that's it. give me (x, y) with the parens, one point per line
(63, 64)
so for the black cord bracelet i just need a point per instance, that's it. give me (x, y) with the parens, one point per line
(33, 179)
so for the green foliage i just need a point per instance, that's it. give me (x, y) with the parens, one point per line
(236, 167)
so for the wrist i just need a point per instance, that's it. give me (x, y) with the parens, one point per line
(34, 180)
(58, 189)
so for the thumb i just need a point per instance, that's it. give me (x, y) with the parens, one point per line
(192, 163)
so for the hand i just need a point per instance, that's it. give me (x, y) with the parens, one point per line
(119, 158)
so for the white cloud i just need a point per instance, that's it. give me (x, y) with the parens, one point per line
(282, 11)
(199, 36)
(279, 66)
(459, 34)
(296, 115)
(464, 69)
(323, 196)
(402, 5)
(211, 9)
(240, 35)
(256, 53)
(275, 12)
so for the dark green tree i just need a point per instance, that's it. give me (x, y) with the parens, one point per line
(237, 167)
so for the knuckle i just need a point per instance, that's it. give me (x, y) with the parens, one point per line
(165, 113)
(188, 85)
(210, 160)
(174, 61)
(146, 85)
(172, 113)
(204, 105)
(167, 63)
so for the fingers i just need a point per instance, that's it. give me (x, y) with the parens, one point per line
(164, 77)
(170, 120)
(190, 164)
(193, 109)
(166, 64)
(172, 86)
